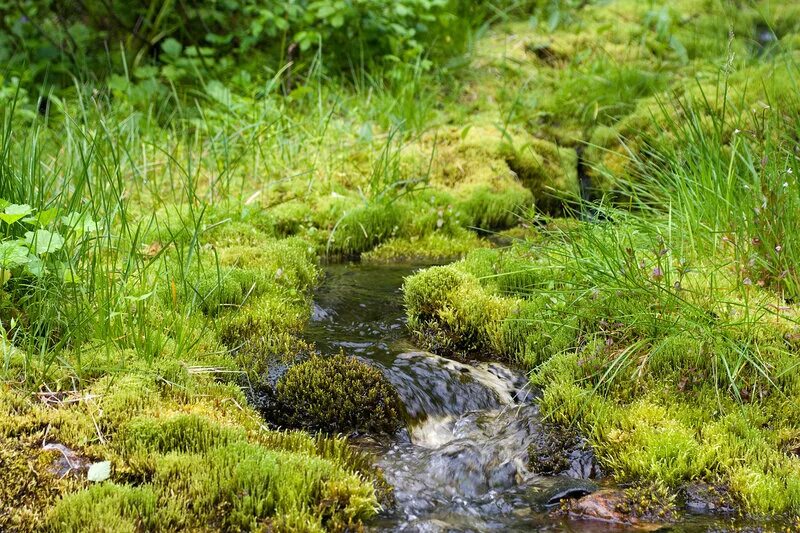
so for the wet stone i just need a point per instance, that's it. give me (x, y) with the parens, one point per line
(67, 462)
(706, 498)
(550, 492)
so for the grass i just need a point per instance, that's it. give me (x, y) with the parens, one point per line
(158, 334)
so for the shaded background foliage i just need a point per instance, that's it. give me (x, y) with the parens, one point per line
(50, 42)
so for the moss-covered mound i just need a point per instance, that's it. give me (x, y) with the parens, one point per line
(339, 395)
(176, 442)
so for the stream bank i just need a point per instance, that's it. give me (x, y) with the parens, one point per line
(463, 462)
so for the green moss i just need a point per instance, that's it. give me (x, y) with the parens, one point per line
(716, 107)
(428, 291)
(290, 217)
(434, 247)
(195, 447)
(362, 228)
(650, 502)
(267, 325)
(110, 507)
(338, 394)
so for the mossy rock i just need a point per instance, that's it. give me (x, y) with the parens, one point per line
(338, 395)
(29, 485)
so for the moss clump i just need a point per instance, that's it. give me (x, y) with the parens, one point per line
(187, 454)
(339, 395)
(480, 156)
(434, 247)
(111, 507)
(650, 502)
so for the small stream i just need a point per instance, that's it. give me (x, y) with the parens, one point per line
(462, 463)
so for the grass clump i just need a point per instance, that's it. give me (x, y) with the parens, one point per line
(339, 395)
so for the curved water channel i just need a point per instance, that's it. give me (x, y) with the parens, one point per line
(462, 463)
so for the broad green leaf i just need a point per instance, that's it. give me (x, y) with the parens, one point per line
(42, 241)
(12, 254)
(43, 218)
(36, 266)
(15, 212)
(81, 223)
(99, 471)
(4, 204)
(145, 72)
(172, 47)
(68, 272)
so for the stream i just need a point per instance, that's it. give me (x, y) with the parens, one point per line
(462, 462)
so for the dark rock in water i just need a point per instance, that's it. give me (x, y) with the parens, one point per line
(552, 491)
(261, 395)
(582, 463)
(705, 498)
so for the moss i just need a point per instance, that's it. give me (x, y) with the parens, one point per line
(650, 502)
(338, 394)
(668, 385)
(434, 247)
(717, 108)
(267, 325)
(290, 217)
(109, 507)
(199, 448)
(428, 291)
(480, 155)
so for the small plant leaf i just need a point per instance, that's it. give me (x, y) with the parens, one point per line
(81, 223)
(43, 218)
(12, 254)
(172, 47)
(36, 266)
(42, 241)
(15, 212)
(99, 471)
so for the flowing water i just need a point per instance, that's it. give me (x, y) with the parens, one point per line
(462, 463)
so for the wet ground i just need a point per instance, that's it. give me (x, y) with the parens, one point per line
(462, 464)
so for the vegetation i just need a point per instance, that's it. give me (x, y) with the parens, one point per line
(339, 395)
(171, 173)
